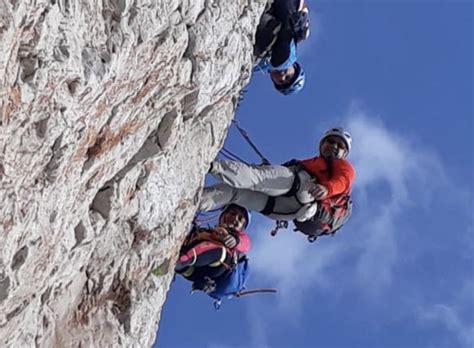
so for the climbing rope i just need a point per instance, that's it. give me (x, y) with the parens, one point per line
(232, 156)
(246, 137)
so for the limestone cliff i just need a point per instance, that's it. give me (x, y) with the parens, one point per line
(110, 113)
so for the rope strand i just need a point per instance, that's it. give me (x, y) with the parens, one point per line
(249, 141)
(232, 156)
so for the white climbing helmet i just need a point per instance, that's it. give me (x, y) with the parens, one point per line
(341, 133)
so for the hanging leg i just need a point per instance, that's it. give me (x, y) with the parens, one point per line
(272, 180)
(220, 195)
(266, 35)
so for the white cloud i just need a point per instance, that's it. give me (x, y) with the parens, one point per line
(258, 329)
(295, 267)
(455, 315)
(406, 172)
(452, 321)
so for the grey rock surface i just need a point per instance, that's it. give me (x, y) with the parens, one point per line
(110, 113)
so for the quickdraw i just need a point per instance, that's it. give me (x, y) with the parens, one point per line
(280, 224)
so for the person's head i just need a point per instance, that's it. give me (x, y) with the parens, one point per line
(289, 81)
(336, 143)
(235, 216)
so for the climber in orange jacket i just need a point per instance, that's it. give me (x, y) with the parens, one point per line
(314, 193)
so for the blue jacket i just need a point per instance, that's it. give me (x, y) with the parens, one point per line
(266, 65)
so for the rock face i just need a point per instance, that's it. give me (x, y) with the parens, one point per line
(111, 111)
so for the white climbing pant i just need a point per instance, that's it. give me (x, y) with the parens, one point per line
(251, 187)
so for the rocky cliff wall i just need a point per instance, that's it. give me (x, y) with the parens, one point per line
(110, 113)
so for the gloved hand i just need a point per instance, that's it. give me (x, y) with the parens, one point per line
(225, 237)
(318, 191)
(230, 241)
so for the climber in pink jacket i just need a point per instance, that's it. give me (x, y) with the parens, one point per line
(213, 258)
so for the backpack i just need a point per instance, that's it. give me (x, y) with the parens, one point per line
(227, 278)
(232, 282)
(327, 220)
(212, 257)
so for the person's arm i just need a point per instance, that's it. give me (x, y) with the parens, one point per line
(233, 239)
(244, 242)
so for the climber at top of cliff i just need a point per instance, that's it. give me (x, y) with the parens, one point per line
(281, 28)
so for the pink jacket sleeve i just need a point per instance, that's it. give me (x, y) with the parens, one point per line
(244, 244)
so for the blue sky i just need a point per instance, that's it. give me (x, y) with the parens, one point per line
(399, 75)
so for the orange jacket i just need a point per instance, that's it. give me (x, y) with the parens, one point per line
(337, 180)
